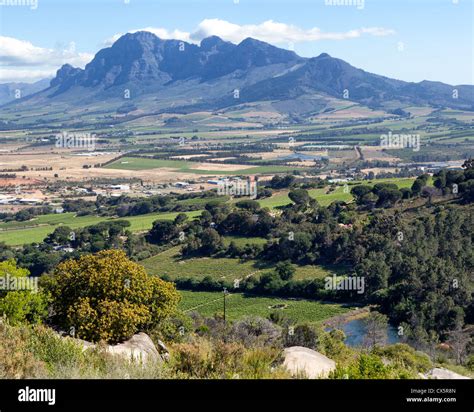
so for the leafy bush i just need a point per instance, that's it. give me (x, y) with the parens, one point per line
(205, 359)
(370, 366)
(301, 335)
(20, 305)
(59, 354)
(174, 328)
(332, 345)
(285, 270)
(405, 356)
(256, 332)
(470, 363)
(16, 359)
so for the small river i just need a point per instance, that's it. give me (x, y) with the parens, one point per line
(355, 331)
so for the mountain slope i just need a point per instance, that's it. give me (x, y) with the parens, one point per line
(171, 75)
(337, 78)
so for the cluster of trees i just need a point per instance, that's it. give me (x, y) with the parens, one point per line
(64, 243)
(420, 271)
(129, 206)
(101, 297)
(270, 283)
(126, 206)
(104, 235)
(387, 195)
(80, 206)
(26, 214)
(204, 235)
(284, 182)
(457, 181)
(382, 195)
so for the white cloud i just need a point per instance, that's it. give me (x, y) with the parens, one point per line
(23, 61)
(274, 32)
(269, 31)
(15, 52)
(25, 75)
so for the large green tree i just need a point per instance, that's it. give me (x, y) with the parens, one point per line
(108, 297)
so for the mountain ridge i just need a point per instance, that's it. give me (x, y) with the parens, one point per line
(188, 76)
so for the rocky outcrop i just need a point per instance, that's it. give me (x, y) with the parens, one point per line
(306, 362)
(442, 373)
(139, 348)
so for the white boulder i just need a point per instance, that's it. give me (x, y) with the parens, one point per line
(139, 348)
(442, 373)
(301, 361)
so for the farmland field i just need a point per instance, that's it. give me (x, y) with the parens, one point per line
(18, 233)
(183, 166)
(239, 306)
(171, 264)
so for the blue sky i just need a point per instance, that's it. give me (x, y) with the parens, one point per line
(410, 40)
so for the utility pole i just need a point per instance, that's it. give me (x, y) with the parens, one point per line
(225, 320)
(225, 294)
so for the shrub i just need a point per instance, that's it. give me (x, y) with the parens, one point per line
(470, 363)
(20, 306)
(405, 356)
(174, 328)
(332, 345)
(16, 359)
(59, 354)
(370, 366)
(260, 363)
(301, 335)
(285, 270)
(206, 359)
(256, 332)
(108, 297)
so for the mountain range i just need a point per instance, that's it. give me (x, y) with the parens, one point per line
(171, 75)
(15, 90)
